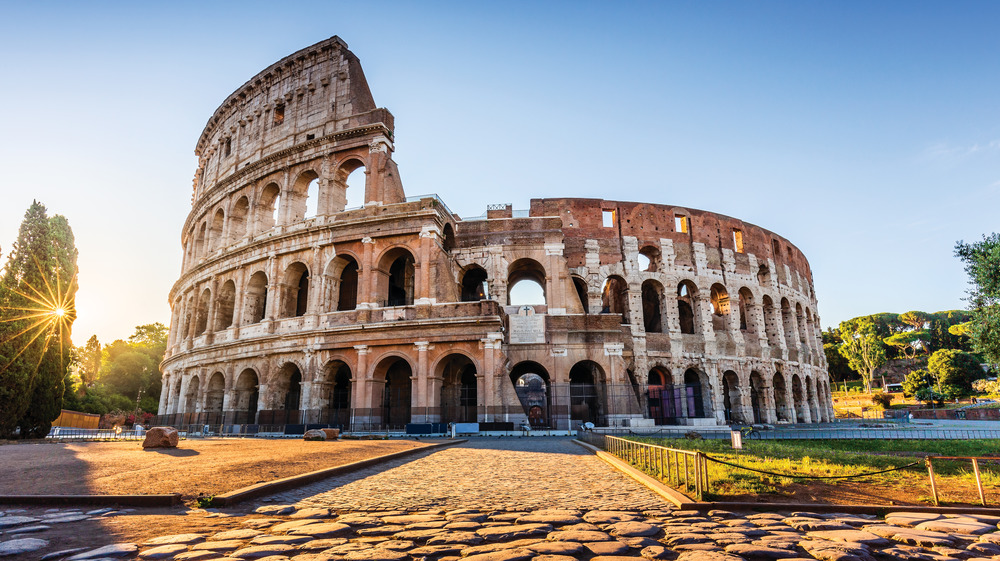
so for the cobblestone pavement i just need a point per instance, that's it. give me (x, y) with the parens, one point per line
(528, 500)
(485, 473)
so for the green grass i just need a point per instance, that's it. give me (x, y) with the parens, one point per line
(824, 458)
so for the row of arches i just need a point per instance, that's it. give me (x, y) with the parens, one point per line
(252, 211)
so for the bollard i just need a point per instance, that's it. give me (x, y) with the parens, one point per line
(979, 480)
(930, 471)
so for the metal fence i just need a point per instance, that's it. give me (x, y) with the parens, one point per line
(119, 433)
(678, 468)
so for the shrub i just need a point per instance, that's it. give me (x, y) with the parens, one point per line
(883, 400)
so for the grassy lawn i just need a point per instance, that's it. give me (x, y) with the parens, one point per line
(825, 458)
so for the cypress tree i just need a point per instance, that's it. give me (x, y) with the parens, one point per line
(37, 291)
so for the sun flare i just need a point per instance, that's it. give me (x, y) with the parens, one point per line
(45, 311)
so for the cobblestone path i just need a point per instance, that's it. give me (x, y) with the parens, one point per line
(484, 473)
(513, 500)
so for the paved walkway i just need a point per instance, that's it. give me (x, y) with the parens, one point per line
(537, 499)
(484, 473)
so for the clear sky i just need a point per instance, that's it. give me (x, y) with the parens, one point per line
(867, 133)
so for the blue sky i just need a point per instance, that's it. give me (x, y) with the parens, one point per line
(868, 134)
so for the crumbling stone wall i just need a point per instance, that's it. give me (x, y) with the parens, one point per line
(400, 311)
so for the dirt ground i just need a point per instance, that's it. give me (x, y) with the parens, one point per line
(196, 467)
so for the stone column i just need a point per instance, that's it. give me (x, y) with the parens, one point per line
(555, 279)
(368, 281)
(489, 396)
(161, 408)
(424, 294)
(361, 385)
(418, 400)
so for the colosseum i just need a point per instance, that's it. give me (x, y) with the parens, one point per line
(293, 309)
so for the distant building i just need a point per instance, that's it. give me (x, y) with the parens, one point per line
(291, 308)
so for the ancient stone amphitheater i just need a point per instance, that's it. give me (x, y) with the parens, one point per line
(292, 309)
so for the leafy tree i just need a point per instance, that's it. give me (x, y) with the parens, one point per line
(915, 319)
(908, 342)
(837, 365)
(37, 292)
(883, 400)
(130, 367)
(956, 369)
(916, 381)
(942, 336)
(89, 358)
(982, 263)
(862, 347)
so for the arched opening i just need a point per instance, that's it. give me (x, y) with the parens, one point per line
(694, 393)
(398, 264)
(199, 241)
(531, 384)
(756, 397)
(201, 322)
(686, 294)
(649, 259)
(526, 283)
(256, 298)
(448, 243)
(585, 402)
(227, 304)
(187, 315)
(770, 323)
(663, 401)
(731, 397)
(652, 294)
(214, 395)
(337, 390)
(614, 297)
(459, 389)
(474, 285)
(286, 397)
(215, 233)
(581, 291)
(312, 198)
(763, 275)
(267, 207)
(798, 398)
(745, 305)
(801, 319)
(781, 410)
(238, 220)
(813, 399)
(788, 323)
(296, 290)
(247, 397)
(347, 189)
(341, 293)
(391, 392)
(720, 307)
(191, 397)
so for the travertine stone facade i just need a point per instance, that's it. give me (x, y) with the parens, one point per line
(293, 309)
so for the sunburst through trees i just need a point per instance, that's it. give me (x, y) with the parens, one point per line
(37, 295)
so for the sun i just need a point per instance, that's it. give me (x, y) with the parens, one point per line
(46, 312)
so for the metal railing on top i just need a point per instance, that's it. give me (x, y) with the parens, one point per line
(677, 468)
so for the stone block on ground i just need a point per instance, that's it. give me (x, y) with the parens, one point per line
(161, 437)
(314, 435)
(331, 434)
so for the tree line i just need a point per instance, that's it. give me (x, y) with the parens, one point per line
(949, 347)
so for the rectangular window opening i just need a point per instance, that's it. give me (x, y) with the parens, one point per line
(776, 248)
(229, 147)
(738, 239)
(279, 115)
(609, 218)
(681, 224)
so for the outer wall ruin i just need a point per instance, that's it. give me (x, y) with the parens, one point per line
(293, 309)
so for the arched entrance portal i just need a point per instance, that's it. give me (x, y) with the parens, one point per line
(459, 394)
(247, 396)
(662, 399)
(531, 383)
(337, 389)
(585, 402)
(392, 403)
